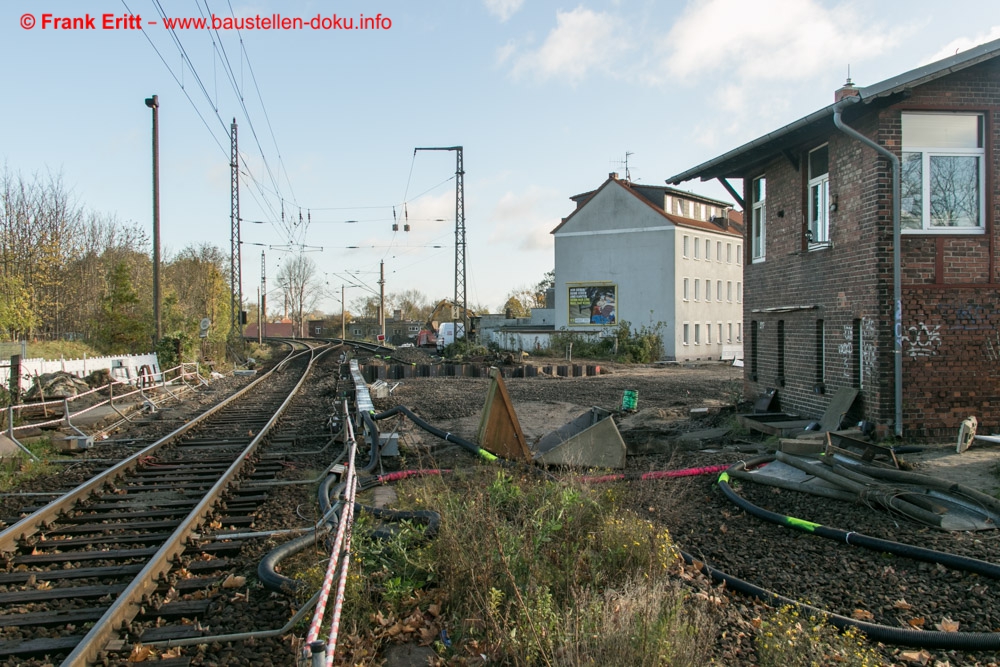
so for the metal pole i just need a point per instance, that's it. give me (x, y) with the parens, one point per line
(343, 310)
(154, 104)
(263, 295)
(381, 297)
(235, 269)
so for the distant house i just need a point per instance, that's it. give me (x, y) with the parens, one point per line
(652, 256)
(850, 286)
(284, 329)
(397, 330)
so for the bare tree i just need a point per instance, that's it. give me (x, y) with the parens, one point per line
(300, 287)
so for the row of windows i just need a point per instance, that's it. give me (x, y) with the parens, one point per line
(708, 290)
(691, 209)
(688, 245)
(942, 182)
(697, 328)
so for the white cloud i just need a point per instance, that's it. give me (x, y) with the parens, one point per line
(583, 40)
(503, 9)
(770, 40)
(965, 43)
(505, 52)
(517, 220)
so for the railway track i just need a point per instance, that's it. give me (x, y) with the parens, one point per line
(121, 549)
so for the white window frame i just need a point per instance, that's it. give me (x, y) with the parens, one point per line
(697, 333)
(739, 253)
(685, 246)
(729, 291)
(708, 289)
(708, 250)
(686, 332)
(929, 152)
(708, 333)
(718, 251)
(819, 202)
(697, 289)
(758, 219)
(739, 292)
(697, 248)
(685, 289)
(718, 290)
(729, 253)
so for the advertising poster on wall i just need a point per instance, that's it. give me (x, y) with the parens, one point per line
(593, 304)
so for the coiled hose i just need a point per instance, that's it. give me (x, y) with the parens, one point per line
(967, 641)
(267, 568)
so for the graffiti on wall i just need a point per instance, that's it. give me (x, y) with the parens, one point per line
(869, 347)
(846, 349)
(922, 341)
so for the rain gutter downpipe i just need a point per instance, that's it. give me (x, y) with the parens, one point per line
(897, 295)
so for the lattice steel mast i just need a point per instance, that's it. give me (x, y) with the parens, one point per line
(460, 301)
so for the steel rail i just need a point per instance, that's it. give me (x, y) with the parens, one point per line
(129, 601)
(32, 523)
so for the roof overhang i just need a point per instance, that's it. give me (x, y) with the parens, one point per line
(752, 156)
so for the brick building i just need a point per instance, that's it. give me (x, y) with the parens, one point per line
(823, 272)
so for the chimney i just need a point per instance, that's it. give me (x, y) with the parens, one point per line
(613, 175)
(847, 90)
(397, 314)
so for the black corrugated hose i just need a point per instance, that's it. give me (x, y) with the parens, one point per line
(968, 641)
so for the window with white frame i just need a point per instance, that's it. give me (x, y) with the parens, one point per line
(685, 246)
(729, 330)
(739, 292)
(685, 289)
(697, 289)
(708, 290)
(729, 291)
(686, 340)
(739, 254)
(718, 251)
(708, 333)
(697, 334)
(758, 231)
(729, 253)
(696, 249)
(718, 290)
(739, 332)
(819, 196)
(720, 331)
(943, 165)
(708, 249)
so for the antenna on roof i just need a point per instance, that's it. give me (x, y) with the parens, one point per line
(624, 164)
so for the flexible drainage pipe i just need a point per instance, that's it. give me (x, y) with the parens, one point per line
(966, 641)
(858, 539)
(448, 437)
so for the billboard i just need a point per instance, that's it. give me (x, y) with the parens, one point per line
(592, 304)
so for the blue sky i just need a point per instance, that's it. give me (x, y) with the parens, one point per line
(545, 97)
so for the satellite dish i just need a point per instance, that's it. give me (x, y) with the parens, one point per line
(205, 324)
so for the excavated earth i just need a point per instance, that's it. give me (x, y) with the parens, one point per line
(685, 418)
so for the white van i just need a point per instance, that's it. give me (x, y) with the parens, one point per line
(448, 332)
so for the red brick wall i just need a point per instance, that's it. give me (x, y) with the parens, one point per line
(951, 295)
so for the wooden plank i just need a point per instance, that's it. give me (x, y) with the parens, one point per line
(69, 593)
(78, 573)
(45, 618)
(39, 646)
(499, 430)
